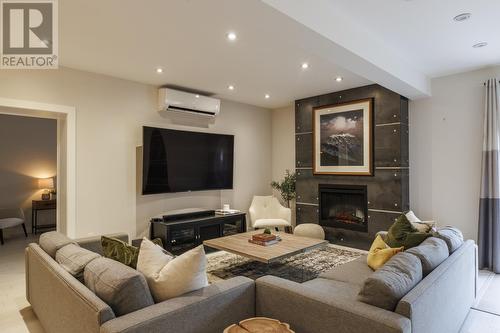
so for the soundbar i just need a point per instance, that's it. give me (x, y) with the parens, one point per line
(186, 214)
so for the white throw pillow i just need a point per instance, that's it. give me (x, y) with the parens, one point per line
(412, 217)
(170, 277)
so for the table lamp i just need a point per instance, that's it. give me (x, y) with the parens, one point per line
(46, 184)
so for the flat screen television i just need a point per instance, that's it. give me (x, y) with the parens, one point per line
(181, 161)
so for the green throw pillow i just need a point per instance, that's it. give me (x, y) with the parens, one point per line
(402, 233)
(121, 251)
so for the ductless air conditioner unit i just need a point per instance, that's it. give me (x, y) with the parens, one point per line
(180, 102)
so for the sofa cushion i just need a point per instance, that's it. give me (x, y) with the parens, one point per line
(380, 253)
(452, 236)
(354, 272)
(74, 258)
(123, 288)
(121, 251)
(170, 277)
(52, 241)
(402, 233)
(432, 252)
(337, 289)
(386, 286)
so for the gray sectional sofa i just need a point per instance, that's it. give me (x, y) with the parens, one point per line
(63, 304)
(439, 302)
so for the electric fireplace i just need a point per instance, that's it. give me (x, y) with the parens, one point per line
(343, 206)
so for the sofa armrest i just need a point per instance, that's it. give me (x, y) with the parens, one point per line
(61, 302)
(208, 310)
(313, 311)
(94, 243)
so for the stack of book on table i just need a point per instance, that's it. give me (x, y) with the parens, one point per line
(264, 239)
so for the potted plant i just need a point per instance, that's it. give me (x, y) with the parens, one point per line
(286, 187)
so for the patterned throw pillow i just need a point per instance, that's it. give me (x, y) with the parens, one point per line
(380, 253)
(402, 233)
(121, 251)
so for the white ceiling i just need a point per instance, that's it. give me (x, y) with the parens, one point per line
(406, 38)
(129, 39)
(425, 33)
(397, 43)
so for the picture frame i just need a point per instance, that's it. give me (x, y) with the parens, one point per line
(343, 138)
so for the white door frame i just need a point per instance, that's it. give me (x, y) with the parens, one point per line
(66, 153)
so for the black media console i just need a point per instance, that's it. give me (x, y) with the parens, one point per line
(182, 232)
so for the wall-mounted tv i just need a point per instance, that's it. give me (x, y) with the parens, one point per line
(180, 161)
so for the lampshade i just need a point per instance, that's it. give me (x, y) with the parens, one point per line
(46, 183)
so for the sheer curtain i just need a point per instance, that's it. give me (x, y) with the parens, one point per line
(489, 205)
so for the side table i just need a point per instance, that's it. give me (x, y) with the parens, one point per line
(36, 206)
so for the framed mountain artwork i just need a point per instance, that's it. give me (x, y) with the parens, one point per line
(342, 138)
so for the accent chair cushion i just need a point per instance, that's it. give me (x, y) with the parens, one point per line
(452, 236)
(123, 288)
(74, 258)
(380, 253)
(265, 223)
(52, 241)
(432, 252)
(116, 249)
(10, 222)
(169, 277)
(402, 233)
(391, 282)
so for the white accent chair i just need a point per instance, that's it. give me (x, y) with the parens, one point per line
(11, 218)
(267, 212)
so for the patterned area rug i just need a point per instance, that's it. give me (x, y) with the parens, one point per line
(299, 268)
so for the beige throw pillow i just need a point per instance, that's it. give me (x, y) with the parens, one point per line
(423, 226)
(169, 277)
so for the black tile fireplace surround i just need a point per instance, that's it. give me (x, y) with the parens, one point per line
(387, 190)
(343, 206)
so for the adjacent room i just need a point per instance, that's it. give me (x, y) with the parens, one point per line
(28, 174)
(249, 166)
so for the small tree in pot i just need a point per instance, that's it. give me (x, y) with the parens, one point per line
(286, 187)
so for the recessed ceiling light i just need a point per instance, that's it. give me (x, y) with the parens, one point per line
(462, 17)
(479, 45)
(339, 79)
(305, 65)
(231, 36)
(197, 96)
(230, 87)
(159, 70)
(267, 96)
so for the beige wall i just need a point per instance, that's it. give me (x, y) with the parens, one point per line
(252, 166)
(283, 142)
(28, 151)
(283, 145)
(109, 116)
(445, 150)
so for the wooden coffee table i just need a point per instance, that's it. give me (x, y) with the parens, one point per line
(289, 246)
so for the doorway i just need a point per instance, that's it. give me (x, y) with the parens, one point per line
(65, 182)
